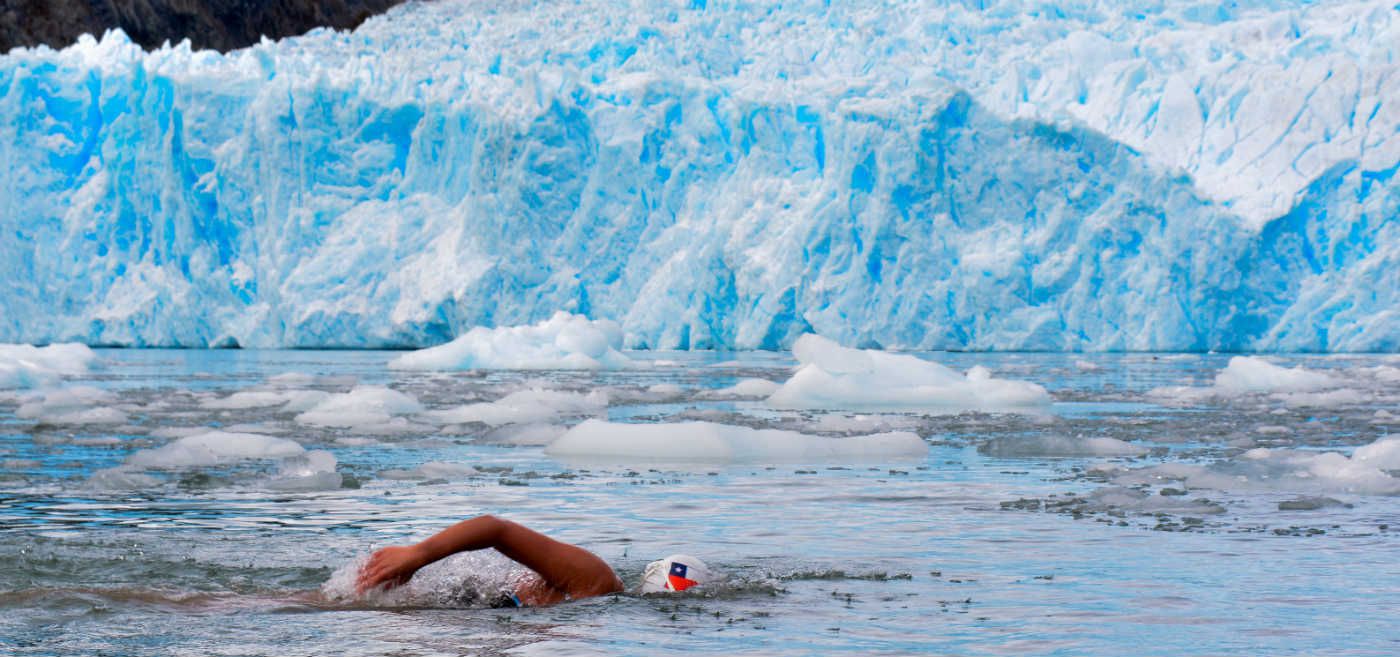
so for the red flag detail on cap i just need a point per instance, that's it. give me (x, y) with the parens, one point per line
(677, 577)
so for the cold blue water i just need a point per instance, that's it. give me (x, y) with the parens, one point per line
(992, 544)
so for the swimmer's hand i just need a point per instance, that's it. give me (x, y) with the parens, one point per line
(391, 567)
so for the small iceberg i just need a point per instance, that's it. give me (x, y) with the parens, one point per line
(839, 378)
(563, 342)
(26, 366)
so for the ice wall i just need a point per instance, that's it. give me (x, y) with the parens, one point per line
(1009, 175)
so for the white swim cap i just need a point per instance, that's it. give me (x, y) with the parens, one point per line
(677, 572)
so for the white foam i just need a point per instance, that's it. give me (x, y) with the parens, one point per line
(465, 579)
(1059, 446)
(836, 377)
(721, 443)
(214, 448)
(363, 406)
(563, 342)
(524, 407)
(27, 366)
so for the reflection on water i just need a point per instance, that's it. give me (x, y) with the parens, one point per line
(963, 552)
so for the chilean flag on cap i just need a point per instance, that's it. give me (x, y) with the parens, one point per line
(676, 579)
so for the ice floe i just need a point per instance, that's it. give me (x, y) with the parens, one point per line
(364, 406)
(750, 388)
(27, 366)
(431, 470)
(840, 378)
(1369, 470)
(1254, 374)
(720, 443)
(77, 405)
(524, 407)
(1058, 446)
(215, 448)
(563, 342)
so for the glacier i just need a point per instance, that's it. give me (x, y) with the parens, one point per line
(1001, 174)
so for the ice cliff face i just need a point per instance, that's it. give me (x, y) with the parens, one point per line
(1014, 175)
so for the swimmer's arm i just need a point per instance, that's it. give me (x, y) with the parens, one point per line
(569, 569)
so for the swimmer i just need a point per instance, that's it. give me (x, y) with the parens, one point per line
(563, 571)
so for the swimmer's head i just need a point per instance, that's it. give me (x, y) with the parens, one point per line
(677, 572)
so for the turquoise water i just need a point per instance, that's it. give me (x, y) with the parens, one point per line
(960, 553)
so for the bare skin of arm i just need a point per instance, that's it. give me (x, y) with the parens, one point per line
(566, 571)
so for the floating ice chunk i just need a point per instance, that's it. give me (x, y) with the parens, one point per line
(122, 477)
(431, 470)
(307, 463)
(1115, 498)
(1383, 454)
(214, 448)
(836, 377)
(292, 379)
(525, 434)
(1058, 446)
(365, 405)
(26, 366)
(291, 401)
(849, 424)
(73, 405)
(666, 389)
(1368, 471)
(722, 443)
(240, 400)
(1312, 504)
(1383, 373)
(1086, 366)
(1328, 399)
(1252, 374)
(393, 427)
(563, 342)
(178, 432)
(313, 470)
(745, 389)
(299, 401)
(524, 406)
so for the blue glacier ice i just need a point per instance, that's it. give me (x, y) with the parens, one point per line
(1001, 174)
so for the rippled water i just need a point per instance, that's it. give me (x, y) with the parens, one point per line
(962, 553)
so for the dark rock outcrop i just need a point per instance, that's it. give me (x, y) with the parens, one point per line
(219, 24)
